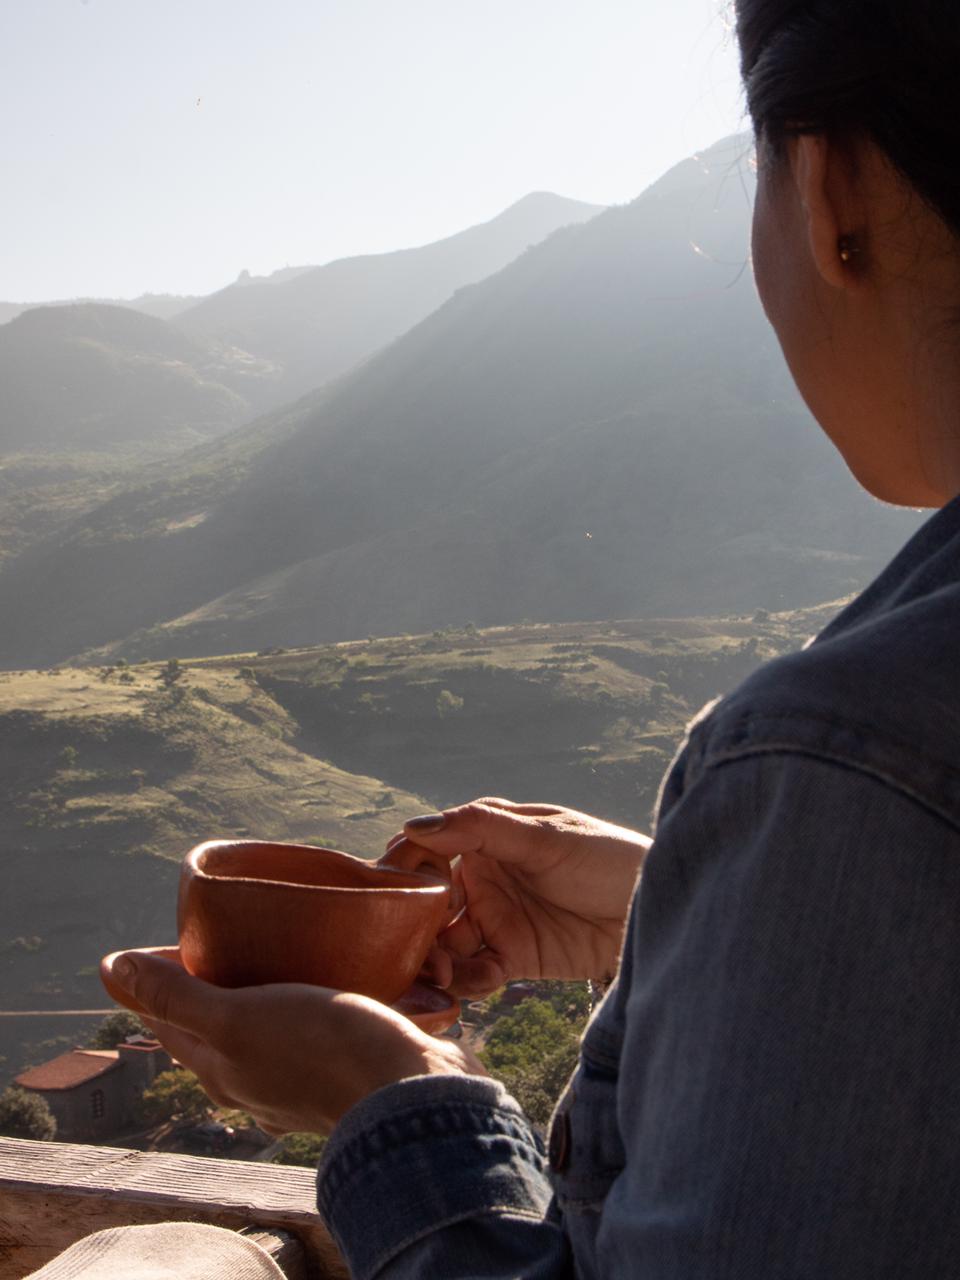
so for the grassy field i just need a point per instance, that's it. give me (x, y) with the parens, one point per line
(109, 774)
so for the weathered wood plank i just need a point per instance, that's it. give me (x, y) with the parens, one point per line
(52, 1194)
(286, 1250)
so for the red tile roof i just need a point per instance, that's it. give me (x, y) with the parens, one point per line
(69, 1070)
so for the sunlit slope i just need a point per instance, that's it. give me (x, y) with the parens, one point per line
(605, 428)
(107, 778)
(322, 322)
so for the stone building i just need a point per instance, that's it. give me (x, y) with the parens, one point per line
(93, 1093)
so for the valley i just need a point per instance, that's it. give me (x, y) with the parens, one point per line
(109, 774)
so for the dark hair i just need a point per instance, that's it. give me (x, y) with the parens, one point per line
(885, 69)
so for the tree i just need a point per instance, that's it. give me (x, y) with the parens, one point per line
(526, 1037)
(533, 1049)
(538, 1086)
(171, 672)
(303, 1149)
(116, 1028)
(175, 1095)
(26, 1115)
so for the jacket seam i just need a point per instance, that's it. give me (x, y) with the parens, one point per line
(718, 759)
(745, 719)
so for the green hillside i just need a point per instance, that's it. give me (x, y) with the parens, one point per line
(108, 775)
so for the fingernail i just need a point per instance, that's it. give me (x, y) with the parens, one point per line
(124, 971)
(426, 824)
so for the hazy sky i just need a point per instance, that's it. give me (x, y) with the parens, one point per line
(165, 145)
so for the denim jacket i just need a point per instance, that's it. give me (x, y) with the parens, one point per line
(771, 1088)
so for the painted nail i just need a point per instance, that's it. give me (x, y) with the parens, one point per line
(427, 824)
(124, 971)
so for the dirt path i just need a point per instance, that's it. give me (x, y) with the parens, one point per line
(55, 1013)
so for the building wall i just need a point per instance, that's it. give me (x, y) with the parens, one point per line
(76, 1110)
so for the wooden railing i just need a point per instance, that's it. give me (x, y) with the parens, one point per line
(52, 1194)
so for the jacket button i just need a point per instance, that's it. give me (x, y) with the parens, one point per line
(558, 1148)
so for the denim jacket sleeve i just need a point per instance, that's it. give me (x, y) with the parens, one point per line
(440, 1176)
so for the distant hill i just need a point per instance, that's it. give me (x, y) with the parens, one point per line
(604, 428)
(162, 305)
(90, 376)
(109, 775)
(317, 323)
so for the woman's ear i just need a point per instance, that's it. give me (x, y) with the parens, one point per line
(824, 181)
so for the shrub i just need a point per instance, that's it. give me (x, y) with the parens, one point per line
(26, 1115)
(538, 1087)
(175, 1095)
(303, 1149)
(115, 1028)
(448, 703)
(533, 1050)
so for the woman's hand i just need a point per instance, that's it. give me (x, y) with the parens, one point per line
(295, 1057)
(545, 891)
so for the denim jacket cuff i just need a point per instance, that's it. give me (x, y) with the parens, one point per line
(420, 1155)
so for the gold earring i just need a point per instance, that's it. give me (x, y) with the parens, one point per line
(848, 248)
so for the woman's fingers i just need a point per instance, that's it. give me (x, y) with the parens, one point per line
(486, 827)
(438, 967)
(526, 810)
(478, 976)
(406, 855)
(462, 938)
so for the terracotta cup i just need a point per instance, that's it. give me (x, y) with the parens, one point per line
(252, 912)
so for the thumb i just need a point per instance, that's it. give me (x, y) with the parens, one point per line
(161, 990)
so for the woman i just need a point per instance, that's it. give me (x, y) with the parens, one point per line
(771, 1088)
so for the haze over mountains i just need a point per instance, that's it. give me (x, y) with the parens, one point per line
(93, 376)
(255, 345)
(321, 322)
(162, 305)
(603, 428)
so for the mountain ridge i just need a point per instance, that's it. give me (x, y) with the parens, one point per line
(608, 418)
(321, 323)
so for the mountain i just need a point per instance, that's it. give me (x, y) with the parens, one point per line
(604, 428)
(91, 376)
(315, 324)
